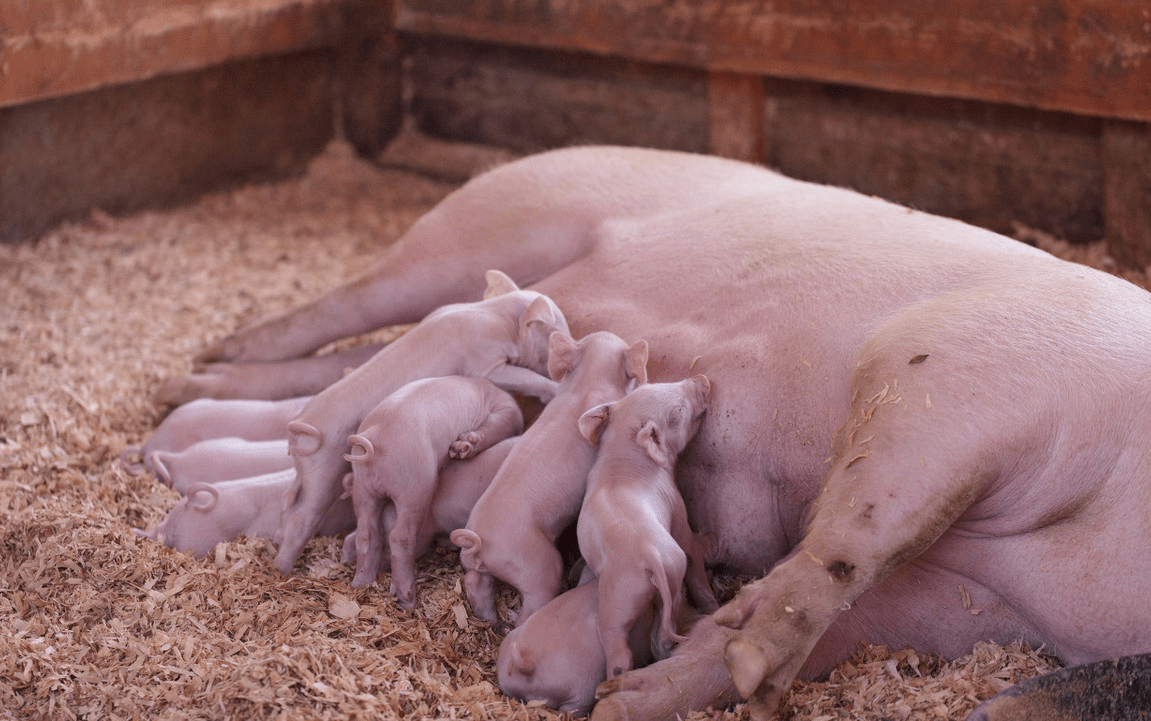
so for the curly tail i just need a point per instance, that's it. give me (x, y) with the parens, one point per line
(136, 467)
(469, 542)
(210, 503)
(661, 571)
(160, 467)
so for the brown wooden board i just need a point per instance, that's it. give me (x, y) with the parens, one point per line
(51, 49)
(1083, 56)
(528, 100)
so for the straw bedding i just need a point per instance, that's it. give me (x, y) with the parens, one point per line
(98, 624)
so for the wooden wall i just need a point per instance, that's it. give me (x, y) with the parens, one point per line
(994, 111)
(125, 104)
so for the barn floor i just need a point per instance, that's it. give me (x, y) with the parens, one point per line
(96, 623)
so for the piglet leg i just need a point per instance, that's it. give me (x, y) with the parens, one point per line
(403, 539)
(623, 599)
(502, 422)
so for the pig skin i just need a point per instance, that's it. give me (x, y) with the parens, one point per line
(397, 455)
(460, 485)
(536, 494)
(903, 405)
(220, 459)
(206, 418)
(633, 529)
(502, 338)
(556, 656)
(213, 513)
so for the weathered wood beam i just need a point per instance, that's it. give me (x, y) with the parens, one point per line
(53, 49)
(1090, 57)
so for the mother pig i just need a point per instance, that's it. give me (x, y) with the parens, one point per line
(924, 433)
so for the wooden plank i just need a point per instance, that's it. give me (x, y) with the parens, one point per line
(991, 165)
(1127, 191)
(530, 100)
(735, 116)
(50, 49)
(1090, 57)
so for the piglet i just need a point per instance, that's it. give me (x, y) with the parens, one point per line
(633, 529)
(460, 485)
(207, 418)
(220, 459)
(512, 530)
(556, 657)
(397, 454)
(215, 513)
(502, 338)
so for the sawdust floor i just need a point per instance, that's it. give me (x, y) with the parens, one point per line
(97, 624)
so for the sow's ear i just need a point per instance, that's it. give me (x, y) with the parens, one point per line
(593, 422)
(499, 284)
(635, 362)
(562, 350)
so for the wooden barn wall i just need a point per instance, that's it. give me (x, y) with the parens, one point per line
(992, 165)
(993, 111)
(126, 104)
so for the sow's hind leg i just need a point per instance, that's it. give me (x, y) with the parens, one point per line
(904, 470)
(493, 222)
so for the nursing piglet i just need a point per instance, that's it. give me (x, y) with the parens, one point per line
(220, 459)
(512, 530)
(460, 485)
(502, 338)
(214, 513)
(208, 418)
(397, 455)
(633, 529)
(556, 657)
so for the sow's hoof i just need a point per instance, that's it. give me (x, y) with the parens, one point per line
(1114, 690)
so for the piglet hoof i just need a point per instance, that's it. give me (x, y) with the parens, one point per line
(465, 446)
(405, 598)
(363, 578)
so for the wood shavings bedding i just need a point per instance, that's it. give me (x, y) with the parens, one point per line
(96, 623)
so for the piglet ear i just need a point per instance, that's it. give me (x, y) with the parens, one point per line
(635, 362)
(522, 660)
(304, 439)
(592, 423)
(652, 441)
(498, 284)
(542, 311)
(562, 350)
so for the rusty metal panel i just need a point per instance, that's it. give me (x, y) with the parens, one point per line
(1090, 57)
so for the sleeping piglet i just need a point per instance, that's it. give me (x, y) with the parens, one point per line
(397, 454)
(633, 529)
(208, 418)
(220, 459)
(214, 513)
(461, 483)
(556, 656)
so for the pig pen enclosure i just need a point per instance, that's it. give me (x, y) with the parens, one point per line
(166, 176)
